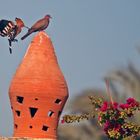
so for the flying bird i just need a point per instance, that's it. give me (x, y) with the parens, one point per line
(17, 29)
(40, 25)
(11, 30)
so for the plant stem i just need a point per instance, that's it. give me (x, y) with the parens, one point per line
(108, 91)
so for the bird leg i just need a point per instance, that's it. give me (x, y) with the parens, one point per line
(12, 36)
(10, 42)
(10, 49)
(13, 40)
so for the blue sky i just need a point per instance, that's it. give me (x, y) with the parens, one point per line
(90, 37)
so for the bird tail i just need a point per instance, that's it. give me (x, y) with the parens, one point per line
(26, 35)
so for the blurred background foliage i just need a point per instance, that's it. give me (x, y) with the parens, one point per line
(124, 83)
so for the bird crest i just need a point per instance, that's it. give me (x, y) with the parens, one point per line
(19, 22)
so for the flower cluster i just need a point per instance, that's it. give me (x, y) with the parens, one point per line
(113, 117)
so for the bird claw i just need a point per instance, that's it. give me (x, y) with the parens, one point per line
(10, 42)
(15, 40)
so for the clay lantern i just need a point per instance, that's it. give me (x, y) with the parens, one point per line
(38, 91)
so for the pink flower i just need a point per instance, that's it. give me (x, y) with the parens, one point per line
(115, 105)
(106, 125)
(99, 118)
(124, 106)
(131, 101)
(104, 107)
(62, 121)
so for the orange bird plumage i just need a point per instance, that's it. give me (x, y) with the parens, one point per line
(17, 29)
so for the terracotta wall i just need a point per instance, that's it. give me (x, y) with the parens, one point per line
(38, 91)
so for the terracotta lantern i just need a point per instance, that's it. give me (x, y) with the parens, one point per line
(38, 91)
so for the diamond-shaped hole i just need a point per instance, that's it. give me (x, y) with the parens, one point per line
(50, 113)
(20, 99)
(45, 128)
(17, 112)
(33, 111)
(58, 101)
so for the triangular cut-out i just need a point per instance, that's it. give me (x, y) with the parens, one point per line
(33, 111)
(18, 112)
(20, 99)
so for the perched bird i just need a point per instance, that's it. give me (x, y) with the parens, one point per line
(40, 25)
(17, 29)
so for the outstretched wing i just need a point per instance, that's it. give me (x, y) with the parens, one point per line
(6, 27)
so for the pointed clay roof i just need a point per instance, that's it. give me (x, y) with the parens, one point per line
(39, 70)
